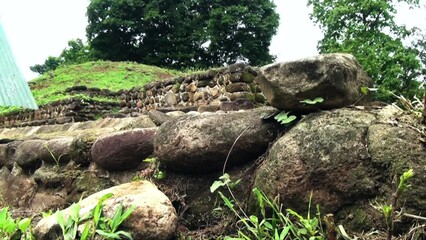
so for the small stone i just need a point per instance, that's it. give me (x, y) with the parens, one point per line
(208, 108)
(170, 98)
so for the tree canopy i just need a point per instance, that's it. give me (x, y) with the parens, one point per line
(182, 33)
(76, 52)
(367, 29)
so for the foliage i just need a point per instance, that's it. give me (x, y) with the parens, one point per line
(95, 223)
(12, 229)
(154, 169)
(419, 45)
(56, 159)
(284, 118)
(182, 34)
(114, 76)
(367, 30)
(51, 63)
(102, 75)
(75, 53)
(313, 102)
(277, 225)
(389, 210)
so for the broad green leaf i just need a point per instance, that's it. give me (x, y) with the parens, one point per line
(60, 220)
(24, 224)
(283, 117)
(86, 230)
(312, 102)
(150, 160)
(10, 227)
(226, 200)
(254, 219)
(216, 185)
(364, 90)
(127, 213)
(284, 232)
(115, 221)
(268, 225)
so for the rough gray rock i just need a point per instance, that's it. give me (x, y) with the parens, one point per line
(16, 189)
(154, 217)
(158, 117)
(7, 151)
(60, 151)
(29, 153)
(325, 153)
(123, 150)
(337, 78)
(346, 159)
(201, 143)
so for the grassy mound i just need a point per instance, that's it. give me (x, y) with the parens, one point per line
(114, 76)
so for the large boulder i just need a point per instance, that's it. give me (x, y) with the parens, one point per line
(337, 78)
(58, 151)
(201, 143)
(154, 217)
(123, 150)
(347, 159)
(29, 153)
(61, 150)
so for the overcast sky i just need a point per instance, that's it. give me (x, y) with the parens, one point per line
(37, 29)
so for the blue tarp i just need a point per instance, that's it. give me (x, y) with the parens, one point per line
(14, 90)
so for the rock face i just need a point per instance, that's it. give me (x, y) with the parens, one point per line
(346, 158)
(337, 78)
(123, 150)
(201, 143)
(16, 189)
(154, 216)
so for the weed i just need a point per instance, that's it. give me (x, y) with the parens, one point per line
(95, 223)
(153, 170)
(284, 118)
(389, 210)
(276, 225)
(57, 160)
(12, 229)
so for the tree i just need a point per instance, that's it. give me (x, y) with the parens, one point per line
(51, 63)
(182, 33)
(366, 29)
(75, 53)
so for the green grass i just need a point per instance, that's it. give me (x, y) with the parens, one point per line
(114, 76)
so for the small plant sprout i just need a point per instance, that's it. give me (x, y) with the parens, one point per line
(312, 102)
(365, 90)
(154, 169)
(284, 117)
(224, 180)
(14, 229)
(56, 159)
(389, 210)
(273, 223)
(95, 223)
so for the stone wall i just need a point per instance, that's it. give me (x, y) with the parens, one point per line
(64, 111)
(227, 89)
